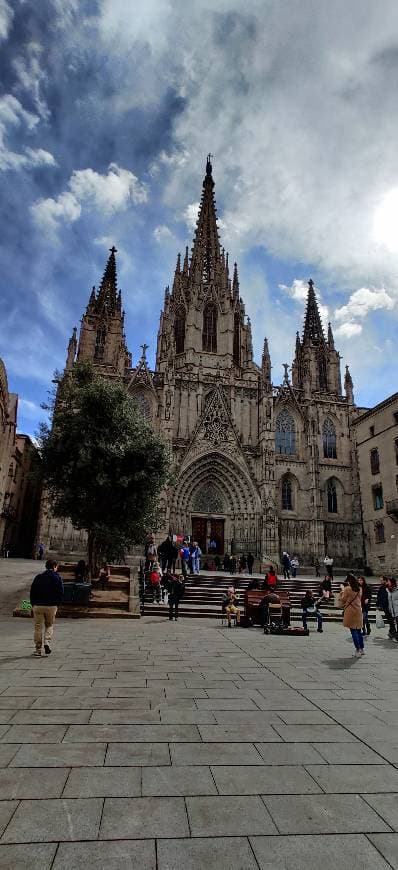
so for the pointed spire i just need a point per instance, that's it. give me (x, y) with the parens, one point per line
(185, 267)
(178, 264)
(107, 294)
(72, 348)
(235, 282)
(330, 337)
(348, 386)
(313, 329)
(298, 343)
(206, 254)
(266, 363)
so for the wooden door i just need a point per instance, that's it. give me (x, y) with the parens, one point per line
(199, 531)
(217, 535)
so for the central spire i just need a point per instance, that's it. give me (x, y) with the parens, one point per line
(107, 294)
(206, 257)
(313, 329)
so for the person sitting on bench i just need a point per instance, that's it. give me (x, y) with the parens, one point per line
(310, 604)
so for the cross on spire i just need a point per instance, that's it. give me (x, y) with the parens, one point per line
(144, 350)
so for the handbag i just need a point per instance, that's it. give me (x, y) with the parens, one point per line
(379, 619)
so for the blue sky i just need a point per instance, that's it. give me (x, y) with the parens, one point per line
(107, 112)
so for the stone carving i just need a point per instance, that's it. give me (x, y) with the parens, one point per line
(208, 500)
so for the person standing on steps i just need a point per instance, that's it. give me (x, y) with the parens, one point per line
(366, 599)
(46, 593)
(317, 567)
(185, 556)
(382, 599)
(286, 565)
(294, 563)
(352, 611)
(328, 563)
(250, 562)
(176, 587)
(393, 607)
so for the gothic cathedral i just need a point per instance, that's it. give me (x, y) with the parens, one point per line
(256, 467)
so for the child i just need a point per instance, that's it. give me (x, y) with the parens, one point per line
(154, 579)
(231, 606)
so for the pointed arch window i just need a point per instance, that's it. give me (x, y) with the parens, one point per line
(209, 335)
(287, 495)
(285, 440)
(179, 330)
(236, 348)
(100, 343)
(332, 497)
(329, 440)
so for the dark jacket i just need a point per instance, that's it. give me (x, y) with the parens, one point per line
(309, 601)
(382, 598)
(366, 596)
(47, 589)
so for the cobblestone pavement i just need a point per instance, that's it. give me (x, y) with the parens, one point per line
(154, 744)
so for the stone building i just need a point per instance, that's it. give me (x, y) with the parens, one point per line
(256, 466)
(376, 434)
(19, 493)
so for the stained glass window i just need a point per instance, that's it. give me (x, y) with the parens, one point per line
(285, 440)
(209, 336)
(179, 330)
(287, 495)
(332, 497)
(329, 440)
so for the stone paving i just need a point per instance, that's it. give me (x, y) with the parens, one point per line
(155, 744)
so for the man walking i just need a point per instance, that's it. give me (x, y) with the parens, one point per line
(46, 594)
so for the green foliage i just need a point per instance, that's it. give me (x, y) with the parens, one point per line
(102, 463)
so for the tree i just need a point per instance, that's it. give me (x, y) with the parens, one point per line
(103, 465)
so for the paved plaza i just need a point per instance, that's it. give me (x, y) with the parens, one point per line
(155, 744)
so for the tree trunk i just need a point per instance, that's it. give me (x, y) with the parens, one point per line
(93, 555)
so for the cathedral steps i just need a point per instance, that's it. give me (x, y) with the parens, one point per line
(204, 594)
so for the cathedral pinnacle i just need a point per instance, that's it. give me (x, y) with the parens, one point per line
(107, 294)
(206, 261)
(313, 329)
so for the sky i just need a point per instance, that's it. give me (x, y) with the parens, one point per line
(107, 112)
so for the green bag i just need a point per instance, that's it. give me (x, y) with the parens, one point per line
(25, 605)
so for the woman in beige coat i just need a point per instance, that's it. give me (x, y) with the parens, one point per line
(352, 612)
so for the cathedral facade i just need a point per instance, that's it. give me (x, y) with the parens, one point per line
(256, 466)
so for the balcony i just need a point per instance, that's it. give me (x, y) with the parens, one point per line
(392, 509)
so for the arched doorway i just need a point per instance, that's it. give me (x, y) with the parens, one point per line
(215, 499)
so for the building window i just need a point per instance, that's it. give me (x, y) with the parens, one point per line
(332, 497)
(144, 405)
(374, 461)
(377, 497)
(396, 481)
(287, 495)
(371, 431)
(179, 330)
(285, 440)
(379, 533)
(236, 348)
(100, 343)
(209, 336)
(396, 450)
(395, 415)
(329, 440)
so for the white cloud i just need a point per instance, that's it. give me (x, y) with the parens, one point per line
(48, 213)
(13, 115)
(108, 193)
(162, 233)
(348, 329)
(28, 408)
(190, 215)
(31, 76)
(364, 300)
(6, 16)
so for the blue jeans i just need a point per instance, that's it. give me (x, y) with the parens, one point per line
(316, 613)
(356, 634)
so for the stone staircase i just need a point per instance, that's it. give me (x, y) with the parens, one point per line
(203, 596)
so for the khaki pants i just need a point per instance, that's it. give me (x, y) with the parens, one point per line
(232, 610)
(47, 615)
